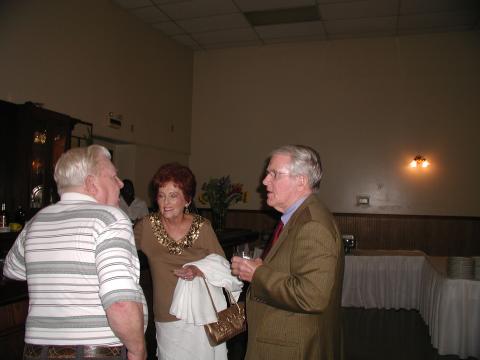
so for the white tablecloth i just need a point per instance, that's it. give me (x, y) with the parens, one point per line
(450, 307)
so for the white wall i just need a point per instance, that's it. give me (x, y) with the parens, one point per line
(367, 105)
(86, 58)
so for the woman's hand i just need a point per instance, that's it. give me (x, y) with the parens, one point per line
(188, 272)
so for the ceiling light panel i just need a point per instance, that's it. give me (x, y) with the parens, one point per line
(309, 28)
(282, 16)
(258, 5)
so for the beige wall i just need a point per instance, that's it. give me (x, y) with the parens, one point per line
(367, 105)
(86, 58)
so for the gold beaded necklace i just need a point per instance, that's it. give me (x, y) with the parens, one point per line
(176, 247)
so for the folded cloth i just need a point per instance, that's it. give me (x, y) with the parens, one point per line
(191, 301)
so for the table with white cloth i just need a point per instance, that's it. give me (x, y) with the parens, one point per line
(412, 280)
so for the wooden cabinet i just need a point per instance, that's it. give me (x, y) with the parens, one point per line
(12, 329)
(13, 312)
(32, 140)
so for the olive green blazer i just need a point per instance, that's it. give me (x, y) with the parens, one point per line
(294, 300)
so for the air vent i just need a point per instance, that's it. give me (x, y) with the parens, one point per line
(283, 16)
(114, 120)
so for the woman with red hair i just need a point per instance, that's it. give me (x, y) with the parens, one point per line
(171, 238)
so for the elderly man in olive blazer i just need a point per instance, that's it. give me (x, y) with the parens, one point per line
(293, 304)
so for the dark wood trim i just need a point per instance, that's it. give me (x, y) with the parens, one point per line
(473, 218)
(437, 235)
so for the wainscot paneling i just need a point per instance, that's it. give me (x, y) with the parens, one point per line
(435, 235)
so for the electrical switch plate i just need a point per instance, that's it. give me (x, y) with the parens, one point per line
(363, 200)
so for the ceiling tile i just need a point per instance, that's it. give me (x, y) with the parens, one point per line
(202, 24)
(336, 1)
(198, 8)
(186, 40)
(132, 4)
(167, 1)
(150, 14)
(416, 6)
(290, 30)
(232, 44)
(217, 22)
(169, 28)
(295, 39)
(423, 31)
(258, 5)
(358, 9)
(225, 36)
(384, 25)
(443, 20)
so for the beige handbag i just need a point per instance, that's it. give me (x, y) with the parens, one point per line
(230, 322)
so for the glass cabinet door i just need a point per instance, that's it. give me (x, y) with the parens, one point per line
(37, 171)
(49, 140)
(32, 141)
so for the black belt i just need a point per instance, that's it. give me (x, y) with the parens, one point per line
(71, 351)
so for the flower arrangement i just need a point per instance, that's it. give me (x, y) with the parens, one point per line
(220, 193)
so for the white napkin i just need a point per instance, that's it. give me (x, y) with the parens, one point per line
(191, 301)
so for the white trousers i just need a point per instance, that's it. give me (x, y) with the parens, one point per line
(178, 340)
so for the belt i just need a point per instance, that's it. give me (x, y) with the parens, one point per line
(71, 351)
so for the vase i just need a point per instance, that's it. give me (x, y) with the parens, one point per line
(218, 218)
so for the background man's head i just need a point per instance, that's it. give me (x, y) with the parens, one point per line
(128, 191)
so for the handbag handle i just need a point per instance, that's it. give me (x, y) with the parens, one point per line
(230, 296)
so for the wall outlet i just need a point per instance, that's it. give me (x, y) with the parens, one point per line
(363, 200)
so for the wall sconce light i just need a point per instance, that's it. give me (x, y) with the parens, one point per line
(419, 161)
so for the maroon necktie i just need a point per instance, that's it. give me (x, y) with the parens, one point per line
(276, 235)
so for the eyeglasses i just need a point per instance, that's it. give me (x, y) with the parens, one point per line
(275, 175)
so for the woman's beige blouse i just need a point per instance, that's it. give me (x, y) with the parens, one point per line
(162, 262)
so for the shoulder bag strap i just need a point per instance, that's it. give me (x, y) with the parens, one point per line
(230, 297)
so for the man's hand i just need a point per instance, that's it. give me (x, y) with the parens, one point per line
(188, 272)
(245, 268)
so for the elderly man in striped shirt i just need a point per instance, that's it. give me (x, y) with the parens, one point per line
(80, 262)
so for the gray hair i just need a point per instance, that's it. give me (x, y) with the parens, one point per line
(76, 164)
(304, 161)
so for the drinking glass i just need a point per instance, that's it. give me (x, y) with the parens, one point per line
(243, 251)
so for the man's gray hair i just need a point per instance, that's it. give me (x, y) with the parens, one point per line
(304, 161)
(76, 164)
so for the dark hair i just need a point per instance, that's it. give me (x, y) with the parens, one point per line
(180, 175)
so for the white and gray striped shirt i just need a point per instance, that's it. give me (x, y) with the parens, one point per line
(78, 258)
